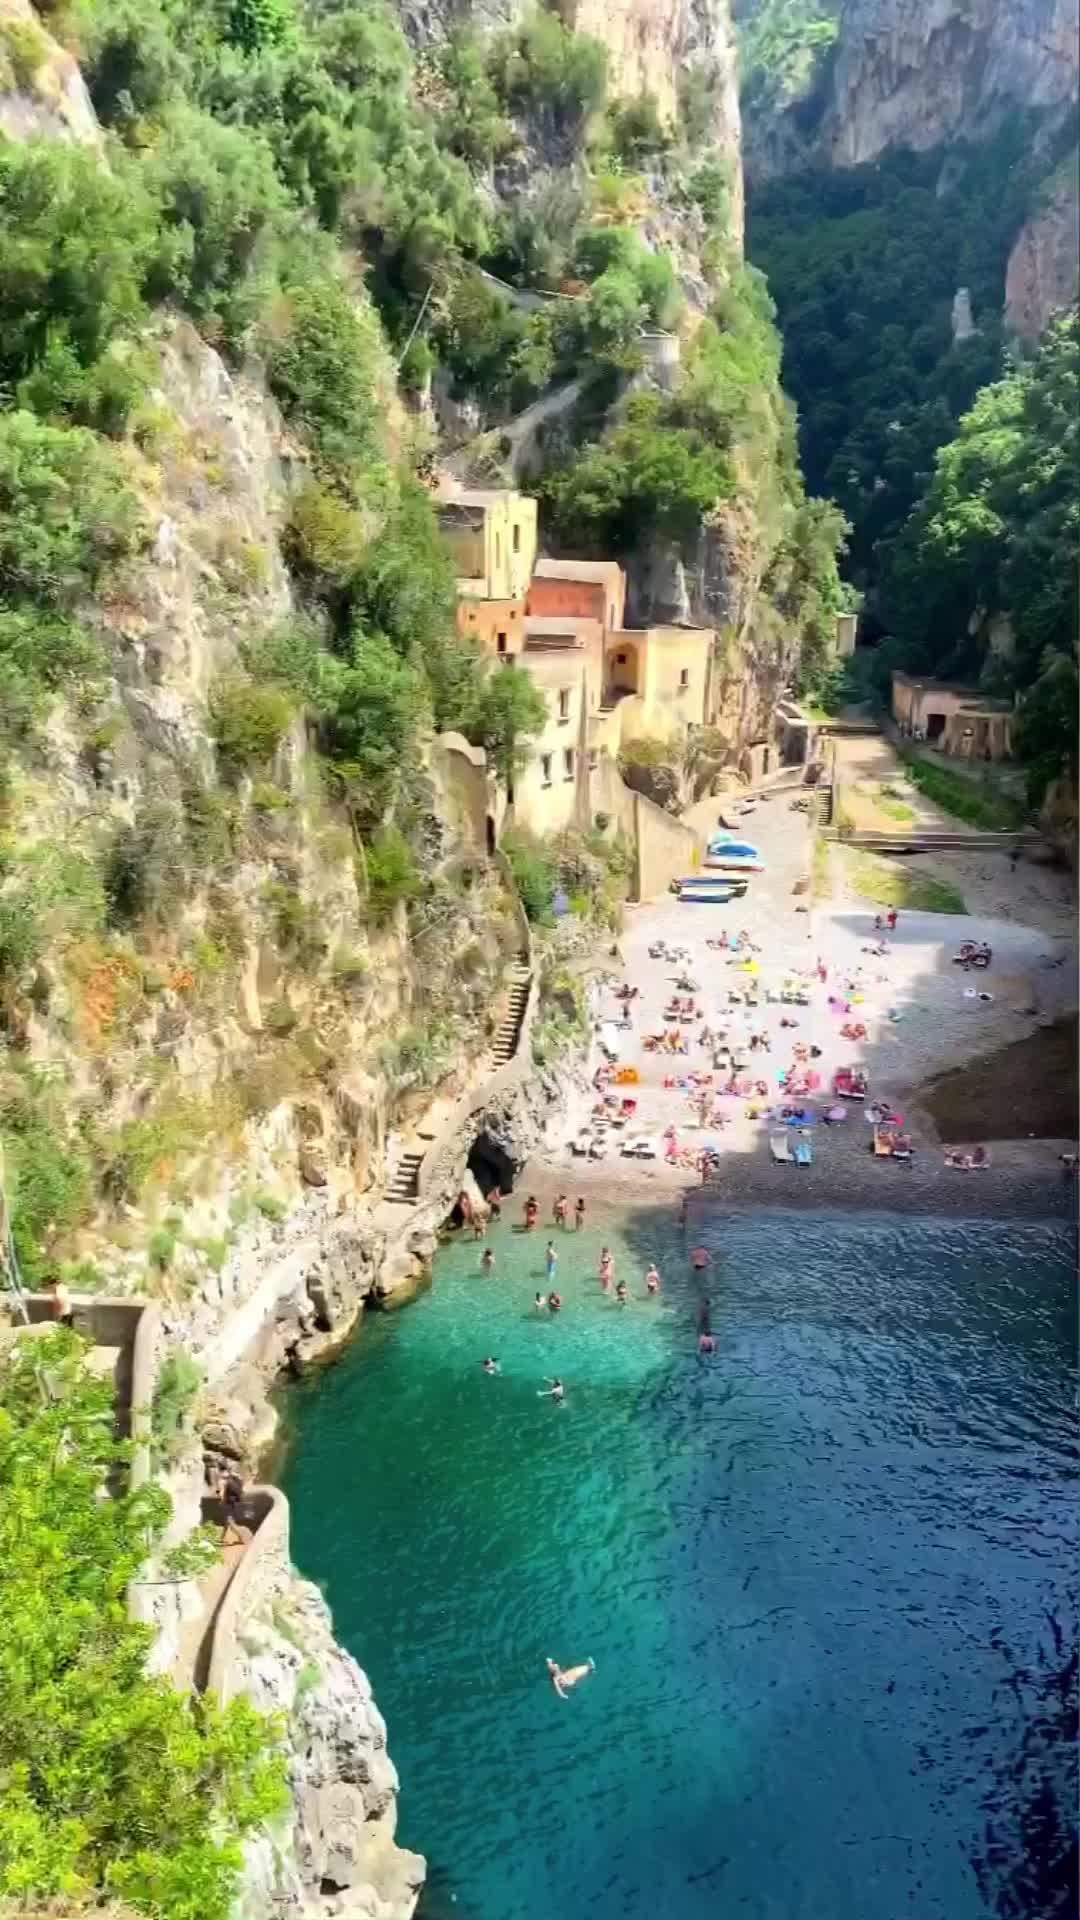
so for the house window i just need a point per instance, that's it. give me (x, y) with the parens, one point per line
(498, 551)
(620, 659)
(564, 703)
(568, 764)
(684, 679)
(545, 769)
(517, 538)
(594, 759)
(500, 643)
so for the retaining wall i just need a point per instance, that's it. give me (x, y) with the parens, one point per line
(131, 1326)
(665, 848)
(264, 1560)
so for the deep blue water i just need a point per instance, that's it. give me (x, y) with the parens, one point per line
(824, 1577)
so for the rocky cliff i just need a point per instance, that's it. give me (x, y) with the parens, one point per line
(1043, 274)
(918, 74)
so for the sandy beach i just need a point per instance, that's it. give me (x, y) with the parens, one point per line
(922, 1014)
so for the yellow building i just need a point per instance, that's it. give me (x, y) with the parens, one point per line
(491, 532)
(659, 681)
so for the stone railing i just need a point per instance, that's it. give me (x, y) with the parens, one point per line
(131, 1326)
(265, 1557)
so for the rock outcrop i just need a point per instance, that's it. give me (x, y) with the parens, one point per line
(1043, 274)
(343, 1784)
(919, 74)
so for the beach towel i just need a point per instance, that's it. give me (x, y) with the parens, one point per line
(780, 1146)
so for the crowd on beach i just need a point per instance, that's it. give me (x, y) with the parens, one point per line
(729, 1051)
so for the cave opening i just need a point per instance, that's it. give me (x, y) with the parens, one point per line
(490, 1165)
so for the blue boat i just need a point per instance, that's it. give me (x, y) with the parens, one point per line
(736, 855)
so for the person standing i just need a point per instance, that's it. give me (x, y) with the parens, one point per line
(551, 1261)
(532, 1213)
(487, 1261)
(579, 1214)
(559, 1210)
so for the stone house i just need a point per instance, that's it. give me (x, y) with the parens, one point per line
(953, 718)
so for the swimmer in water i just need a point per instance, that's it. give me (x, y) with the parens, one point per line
(551, 1259)
(491, 1365)
(540, 1303)
(706, 1343)
(553, 1391)
(554, 1302)
(652, 1280)
(700, 1259)
(564, 1677)
(621, 1294)
(487, 1260)
(606, 1268)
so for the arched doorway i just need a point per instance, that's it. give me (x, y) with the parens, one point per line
(623, 667)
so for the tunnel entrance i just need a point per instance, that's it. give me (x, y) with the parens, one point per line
(490, 1165)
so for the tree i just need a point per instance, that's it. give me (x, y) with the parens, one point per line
(110, 1780)
(507, 708)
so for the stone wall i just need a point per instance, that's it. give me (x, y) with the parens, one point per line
(666, 849)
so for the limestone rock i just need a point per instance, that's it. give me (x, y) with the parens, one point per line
(1043, 274)
(919, 74)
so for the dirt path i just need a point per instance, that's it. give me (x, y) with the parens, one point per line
(1026, 893)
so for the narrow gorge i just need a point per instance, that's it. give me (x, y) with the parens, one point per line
(301, 881)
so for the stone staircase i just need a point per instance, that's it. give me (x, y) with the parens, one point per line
(509, 1030)
(402, 1185)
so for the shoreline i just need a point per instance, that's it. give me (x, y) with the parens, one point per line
(1023, 1182)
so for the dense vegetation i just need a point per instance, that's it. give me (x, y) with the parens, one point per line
(863, 266)
(109, 1780)
(993, 535)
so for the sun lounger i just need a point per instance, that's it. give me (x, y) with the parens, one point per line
(780, 1147)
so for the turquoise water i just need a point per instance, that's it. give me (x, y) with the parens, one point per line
(824, 1577)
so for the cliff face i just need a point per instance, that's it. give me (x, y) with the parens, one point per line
(1043, 275)
(918, 73)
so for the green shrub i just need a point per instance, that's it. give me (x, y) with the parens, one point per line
(643, 476)
(534, 877)
(178, 1384)
(392, 873)
(165, 1785)
(248, 723)
(160, 1248)
(268, 799)
(270, 1205)
(540, 65)
(26, 49)
(323, 359)
(325, 537)
(634, 128)
(76, 240)
(193, 1556)
(65, 514)
(49, 1186)
(280, 1018)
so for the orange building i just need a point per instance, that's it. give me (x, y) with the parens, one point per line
(497, 624)
(582, 589)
